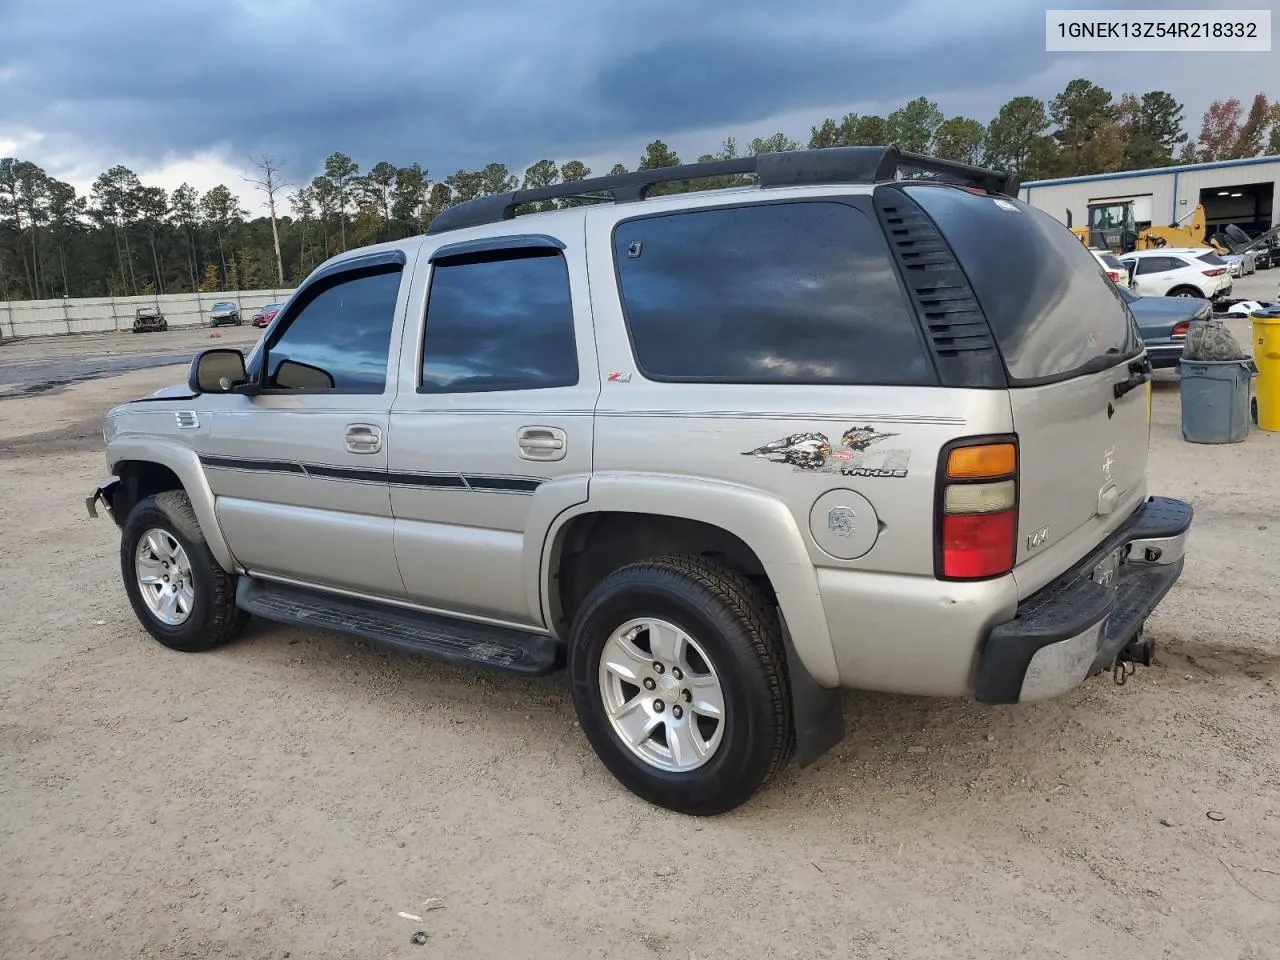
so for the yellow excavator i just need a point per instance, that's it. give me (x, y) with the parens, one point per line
(1113, 226)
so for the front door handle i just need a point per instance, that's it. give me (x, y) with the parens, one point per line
(541, 443)
(364, 438)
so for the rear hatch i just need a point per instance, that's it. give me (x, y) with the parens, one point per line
(1073, 358)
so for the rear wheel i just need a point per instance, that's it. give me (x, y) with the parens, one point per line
(1186, 292)
(680, 685)
(178, 591)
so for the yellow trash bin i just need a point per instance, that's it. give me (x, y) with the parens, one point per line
(1266, 354)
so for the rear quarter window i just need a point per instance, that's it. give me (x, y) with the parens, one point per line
(1053, 312)
(791, 292)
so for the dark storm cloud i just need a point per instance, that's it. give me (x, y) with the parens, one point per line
(462, 84)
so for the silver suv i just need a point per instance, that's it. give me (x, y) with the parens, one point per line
(868, 421)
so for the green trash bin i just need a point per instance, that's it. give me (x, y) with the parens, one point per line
(1215, 399)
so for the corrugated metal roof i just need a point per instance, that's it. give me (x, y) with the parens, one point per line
(1155, 171)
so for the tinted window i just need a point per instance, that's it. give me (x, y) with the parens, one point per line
(768, 293)
(1154, 265)
(1111, 262)
(344, 329)
(1053, 312)
(499, 322)
(1212, 258)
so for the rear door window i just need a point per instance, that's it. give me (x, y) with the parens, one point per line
(1149, 265)
(1053, 313)
(797, 293)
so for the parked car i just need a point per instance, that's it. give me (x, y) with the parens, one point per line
(224, 311)
(1164, 322)
(614, 437)
(1178, 272)
(149, 318)
(1267, 256)
(264, 315)
(1116, 271)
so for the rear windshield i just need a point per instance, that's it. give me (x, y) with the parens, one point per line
(1111, 262)
(1212, 258)
(1054, 313)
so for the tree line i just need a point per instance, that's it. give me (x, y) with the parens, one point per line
(126, 238)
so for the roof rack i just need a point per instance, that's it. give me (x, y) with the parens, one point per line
(790, 168)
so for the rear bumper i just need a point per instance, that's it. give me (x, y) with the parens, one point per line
(1076, 627)
(1164, 355)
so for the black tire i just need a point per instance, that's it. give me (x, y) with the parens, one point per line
(214, 617)
(239, 322)
(1186, 291)
(738, 628)
(164, 326)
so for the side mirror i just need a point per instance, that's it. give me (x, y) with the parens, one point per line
(216, 371)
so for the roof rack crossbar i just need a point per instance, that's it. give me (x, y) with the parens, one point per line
(790, 168)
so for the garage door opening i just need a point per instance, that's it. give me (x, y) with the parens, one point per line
(1247, 205)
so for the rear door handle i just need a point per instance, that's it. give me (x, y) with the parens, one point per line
(364, 438)
(541, 443)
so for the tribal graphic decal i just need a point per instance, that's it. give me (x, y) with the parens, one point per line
(814, 453)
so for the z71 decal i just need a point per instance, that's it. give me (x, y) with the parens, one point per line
(814, 453)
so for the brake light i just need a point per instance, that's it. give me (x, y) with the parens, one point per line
(977, 523)
(1180, 329)
(1215, 272)
(1114, 275)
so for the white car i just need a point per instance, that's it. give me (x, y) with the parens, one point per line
(1112, 267)
(1178, 272)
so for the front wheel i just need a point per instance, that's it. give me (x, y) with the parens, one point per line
(680, 685)
(178, 591)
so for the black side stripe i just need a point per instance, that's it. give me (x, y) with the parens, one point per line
(435, 481)
(257, 466)
(441, 481)
(504, 484)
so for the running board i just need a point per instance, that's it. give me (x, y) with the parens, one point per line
(462, 641)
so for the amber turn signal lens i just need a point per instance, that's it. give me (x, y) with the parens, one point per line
(981, 462)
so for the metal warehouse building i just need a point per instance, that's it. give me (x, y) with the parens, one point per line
(1243, 192)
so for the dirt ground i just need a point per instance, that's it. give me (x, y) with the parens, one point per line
(295, 794)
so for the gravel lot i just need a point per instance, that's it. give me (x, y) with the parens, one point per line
(294, 793)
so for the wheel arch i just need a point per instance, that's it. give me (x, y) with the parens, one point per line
(151, 465)
(752, 528)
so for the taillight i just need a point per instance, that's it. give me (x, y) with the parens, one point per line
(1216, 272)
(1180, 329)
(1114, 275)
(977, 522)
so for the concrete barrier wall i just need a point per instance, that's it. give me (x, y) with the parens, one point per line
(48, 318)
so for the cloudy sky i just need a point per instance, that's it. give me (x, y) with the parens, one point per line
(188, 89)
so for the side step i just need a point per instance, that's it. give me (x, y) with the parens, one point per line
(462, 641)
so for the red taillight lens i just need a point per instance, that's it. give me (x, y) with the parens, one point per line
(980, 545)
(1216, 272)
(1180, 329)
(1114, 275)
(977, 521)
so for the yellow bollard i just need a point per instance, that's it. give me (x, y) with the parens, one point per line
(1266, 354)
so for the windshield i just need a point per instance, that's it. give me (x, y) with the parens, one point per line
(1213, 258)
(1111, 216)
(224, 306)
(1127, 295)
